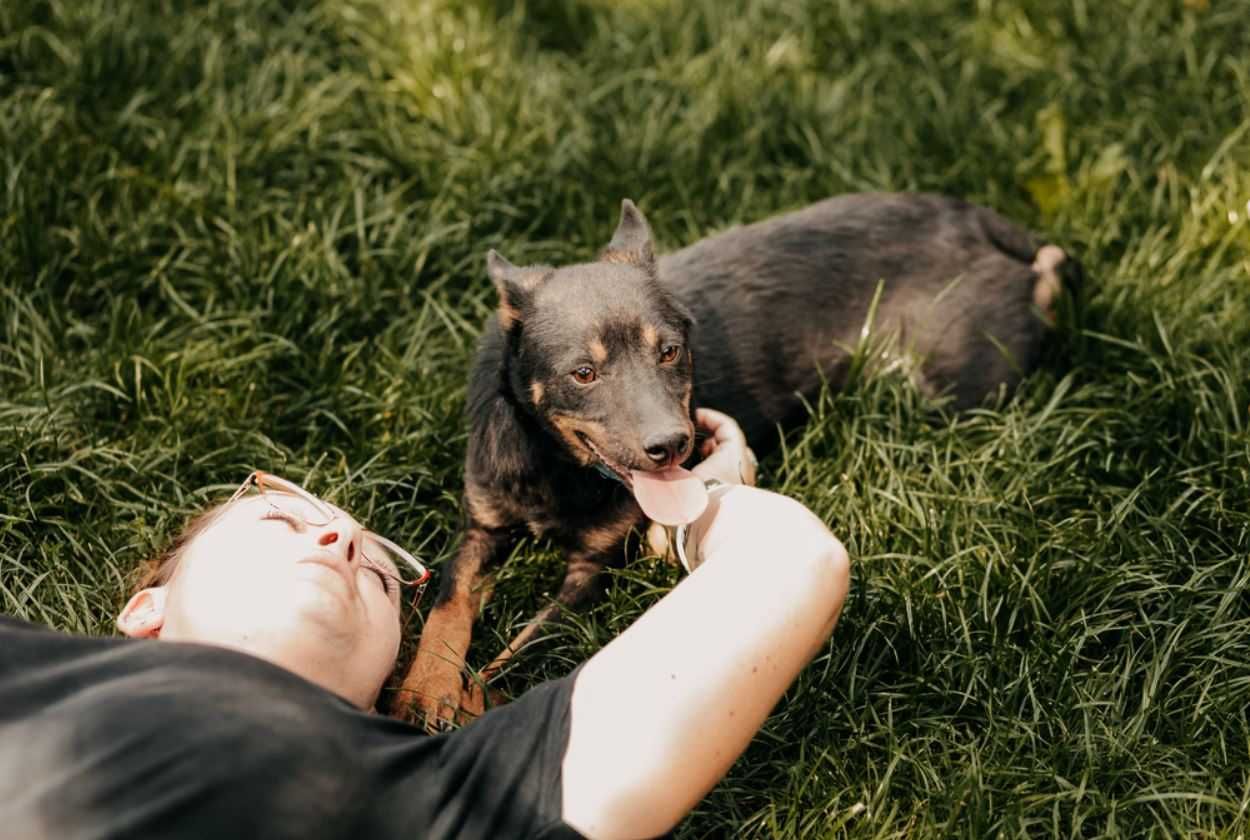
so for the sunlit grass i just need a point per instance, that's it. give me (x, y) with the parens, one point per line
(236, 235)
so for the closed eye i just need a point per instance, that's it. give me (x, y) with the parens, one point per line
(387, 580)
(389, 583)
(276, 515)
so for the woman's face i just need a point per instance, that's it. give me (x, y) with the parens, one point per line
(260, 579)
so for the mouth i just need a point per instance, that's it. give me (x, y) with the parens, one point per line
(616, 470)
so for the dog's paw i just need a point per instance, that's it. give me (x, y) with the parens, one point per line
(430, 696)
(478, 698)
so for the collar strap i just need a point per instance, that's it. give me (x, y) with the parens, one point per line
(689, 555)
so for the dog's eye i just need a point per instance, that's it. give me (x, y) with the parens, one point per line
(670, 353)
(585, 374)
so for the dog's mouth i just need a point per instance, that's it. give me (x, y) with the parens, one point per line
(670, 496)
(605, 464)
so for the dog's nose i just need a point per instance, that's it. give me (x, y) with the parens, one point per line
(663, 449)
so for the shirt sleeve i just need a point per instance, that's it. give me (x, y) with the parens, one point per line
(501, 775)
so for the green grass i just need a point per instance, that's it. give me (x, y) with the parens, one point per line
(239, 234)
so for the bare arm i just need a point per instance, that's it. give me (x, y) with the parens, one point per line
(661, 713)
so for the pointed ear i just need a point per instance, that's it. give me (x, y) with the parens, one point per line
(144, 614)
(515, 286)
(632, 241)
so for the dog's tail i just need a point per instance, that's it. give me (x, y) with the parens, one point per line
(1058, 272)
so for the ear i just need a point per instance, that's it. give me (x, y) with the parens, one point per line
(144, 614)
(632, 241)
(515, 286)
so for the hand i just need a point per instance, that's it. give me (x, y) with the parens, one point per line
(726, 456)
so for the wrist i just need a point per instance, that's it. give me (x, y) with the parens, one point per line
(685, 538)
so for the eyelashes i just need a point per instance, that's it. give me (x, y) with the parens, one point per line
(388, 583)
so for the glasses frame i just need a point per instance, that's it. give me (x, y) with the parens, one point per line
(266, 483)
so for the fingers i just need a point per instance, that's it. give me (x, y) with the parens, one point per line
(721, 427)
(725, 453)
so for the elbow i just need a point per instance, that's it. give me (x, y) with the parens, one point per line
(823, 573)
(811, 563)
(836, 575)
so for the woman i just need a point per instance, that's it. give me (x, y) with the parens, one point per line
(273, 625)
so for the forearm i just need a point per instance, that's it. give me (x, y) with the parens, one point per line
(661, 713)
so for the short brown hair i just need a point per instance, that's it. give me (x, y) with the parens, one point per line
(158, 570)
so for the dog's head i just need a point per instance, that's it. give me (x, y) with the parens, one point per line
(599, 353)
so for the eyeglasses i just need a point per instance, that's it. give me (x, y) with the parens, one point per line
(380, 555)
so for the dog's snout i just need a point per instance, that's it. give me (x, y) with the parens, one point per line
(668, 448)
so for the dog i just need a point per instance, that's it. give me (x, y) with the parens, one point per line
(589, 372)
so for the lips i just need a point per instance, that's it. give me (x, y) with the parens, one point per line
(618, 470)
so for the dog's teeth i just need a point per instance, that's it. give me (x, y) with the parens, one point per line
(671, 497)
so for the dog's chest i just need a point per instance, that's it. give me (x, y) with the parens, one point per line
(572, 513)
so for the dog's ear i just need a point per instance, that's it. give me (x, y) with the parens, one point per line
(632, 241)
(515, 286)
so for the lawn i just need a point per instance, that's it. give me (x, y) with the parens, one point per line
(237, 234)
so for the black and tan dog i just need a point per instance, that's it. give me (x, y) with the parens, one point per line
(592, 371)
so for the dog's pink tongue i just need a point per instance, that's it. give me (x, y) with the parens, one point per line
(673, 496)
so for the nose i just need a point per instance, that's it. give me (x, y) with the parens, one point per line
(341, 537)
(670, 447)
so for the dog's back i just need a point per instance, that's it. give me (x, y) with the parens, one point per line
(782, 303)
(590, 373)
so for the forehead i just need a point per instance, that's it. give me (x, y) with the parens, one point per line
(599, 300)
(254, 505)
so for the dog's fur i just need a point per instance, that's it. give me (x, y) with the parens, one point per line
(596, 369)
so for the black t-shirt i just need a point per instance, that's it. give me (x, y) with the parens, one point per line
(124, 738)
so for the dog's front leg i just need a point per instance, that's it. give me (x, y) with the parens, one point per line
(581, 585)
(432, 688)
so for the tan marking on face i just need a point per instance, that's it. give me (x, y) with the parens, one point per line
(621, 257)
(569, 426)
(598, 352)
(651, 336)
(508, 315)
(536, 392)
(607, 536)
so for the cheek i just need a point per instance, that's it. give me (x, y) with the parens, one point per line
(566, 394)
(230, 566)
(679, 378)
(384, 637)
(382, 612)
